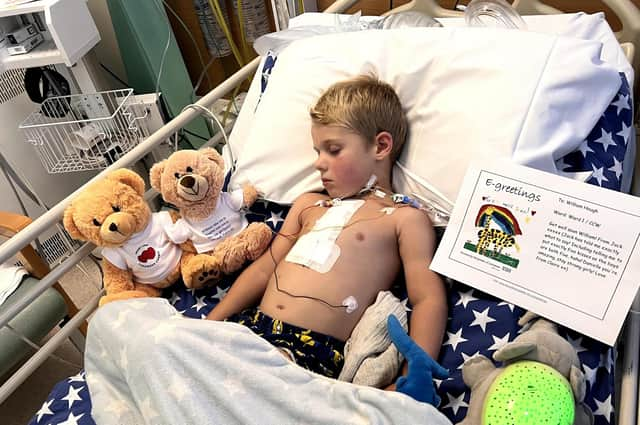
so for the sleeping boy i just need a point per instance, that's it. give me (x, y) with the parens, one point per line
(338, 249)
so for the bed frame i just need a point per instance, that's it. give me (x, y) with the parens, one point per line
(627, 408)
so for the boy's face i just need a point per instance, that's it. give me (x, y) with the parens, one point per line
(345, 159)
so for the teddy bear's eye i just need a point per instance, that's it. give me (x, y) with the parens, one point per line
(189, 170)
(115, 208)
(177, 175)
(96, 222)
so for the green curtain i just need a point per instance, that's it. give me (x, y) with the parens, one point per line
(142, 30)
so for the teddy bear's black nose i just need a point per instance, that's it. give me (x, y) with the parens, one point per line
(188, 182)
(113, 227)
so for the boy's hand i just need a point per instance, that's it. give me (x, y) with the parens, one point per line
(422, 368)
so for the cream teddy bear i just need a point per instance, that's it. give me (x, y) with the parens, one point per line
(213, 230)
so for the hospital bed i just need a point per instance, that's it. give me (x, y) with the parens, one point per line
(598, 359)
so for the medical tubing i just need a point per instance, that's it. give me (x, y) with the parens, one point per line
(201, 77)
(193, 41)
(227, 110)
(243, 37)
(46, 220)
(218, 14)
(211, 115)
(164, 53)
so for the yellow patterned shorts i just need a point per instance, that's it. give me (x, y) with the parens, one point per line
(317, 352)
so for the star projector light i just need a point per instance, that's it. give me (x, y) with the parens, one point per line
(529, 393)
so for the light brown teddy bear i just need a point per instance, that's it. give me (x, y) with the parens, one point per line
(213, 232)
(138, 258)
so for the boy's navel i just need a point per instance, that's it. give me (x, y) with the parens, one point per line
(359, 236)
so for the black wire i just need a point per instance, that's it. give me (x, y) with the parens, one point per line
(113, 74)
(96, 260)
(166, 113)
(182, 138)
(309, 297)
(275, 264)
(194, 134)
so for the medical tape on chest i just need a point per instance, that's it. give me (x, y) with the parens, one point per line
(317, 249)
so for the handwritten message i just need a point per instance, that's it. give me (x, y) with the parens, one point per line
(566, 248)
(563, 249)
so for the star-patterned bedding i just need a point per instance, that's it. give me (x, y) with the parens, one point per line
(478, 323)
(605, 158)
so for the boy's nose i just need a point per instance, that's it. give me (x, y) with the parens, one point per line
(319, 164)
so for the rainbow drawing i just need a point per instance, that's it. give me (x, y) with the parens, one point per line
(500, 216)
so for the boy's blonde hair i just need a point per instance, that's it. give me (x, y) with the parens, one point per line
(366, 106)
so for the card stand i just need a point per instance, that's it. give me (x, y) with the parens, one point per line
(84, 131)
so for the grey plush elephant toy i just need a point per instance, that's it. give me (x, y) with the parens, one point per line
(540, 343)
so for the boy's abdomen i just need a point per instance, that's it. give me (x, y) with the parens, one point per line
(368, 263)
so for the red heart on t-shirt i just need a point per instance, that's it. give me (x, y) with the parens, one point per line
(147, 254)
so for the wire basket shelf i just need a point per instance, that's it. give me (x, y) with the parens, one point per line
(85, 131)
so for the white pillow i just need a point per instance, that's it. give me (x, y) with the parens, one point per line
(575, 25)
(468, 92)
(242, 126)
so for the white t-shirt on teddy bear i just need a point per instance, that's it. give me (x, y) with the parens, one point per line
(149, 254)
(225, 221)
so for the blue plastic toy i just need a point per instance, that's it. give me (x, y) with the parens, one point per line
(422, 368)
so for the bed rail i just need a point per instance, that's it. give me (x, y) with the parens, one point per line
(9, 248)
(628, 402)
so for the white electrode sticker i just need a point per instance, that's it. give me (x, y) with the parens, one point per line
(317, 249)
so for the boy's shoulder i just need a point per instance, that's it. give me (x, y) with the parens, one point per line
(412, 219)
(307, 199)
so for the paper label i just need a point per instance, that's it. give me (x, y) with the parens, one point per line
(563, 249)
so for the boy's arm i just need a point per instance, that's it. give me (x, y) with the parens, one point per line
(427, 294)
(249, 287)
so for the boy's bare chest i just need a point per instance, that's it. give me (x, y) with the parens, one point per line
(369, 224)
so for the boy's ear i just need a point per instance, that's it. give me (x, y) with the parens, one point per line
(384, 145)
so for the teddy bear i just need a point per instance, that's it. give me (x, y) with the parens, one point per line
(540, 343)
(213, 231)
(138, 258)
